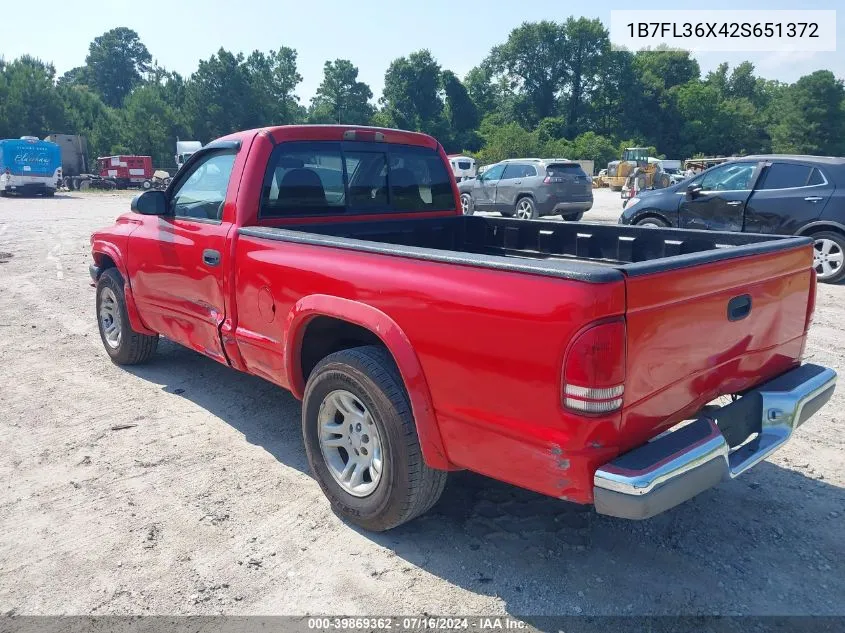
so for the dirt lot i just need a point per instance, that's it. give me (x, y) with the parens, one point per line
(182, 488)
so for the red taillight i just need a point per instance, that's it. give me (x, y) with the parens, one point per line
(594, 370)
(551, 180)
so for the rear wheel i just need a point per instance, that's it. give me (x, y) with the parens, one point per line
(124, 345)
(573, 217)
(362, 443)
(829, 256)
(525, 209)
(466, 204)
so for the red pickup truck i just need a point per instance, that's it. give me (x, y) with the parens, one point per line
(335, 262)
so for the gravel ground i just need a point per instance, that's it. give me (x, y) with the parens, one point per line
(181, 487)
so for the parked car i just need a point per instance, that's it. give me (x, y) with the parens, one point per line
(335, 262)
(780, 194)
(528, 188)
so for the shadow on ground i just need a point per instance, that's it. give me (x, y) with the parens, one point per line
(769, 542)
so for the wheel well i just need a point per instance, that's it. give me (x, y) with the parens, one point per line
(325, 335)
(818, 228)
(104, 262)
(525, 195)
(651, 214)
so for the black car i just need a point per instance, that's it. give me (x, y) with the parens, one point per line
(787, 195)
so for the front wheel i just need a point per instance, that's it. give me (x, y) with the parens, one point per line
(124, 345)
(829, 256)
(652, 223)
(362, 443)
(467, 205)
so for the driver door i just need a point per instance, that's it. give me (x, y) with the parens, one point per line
(484, 188)
(176, 262)
(720, 203)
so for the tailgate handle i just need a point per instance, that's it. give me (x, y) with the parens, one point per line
(739, 307)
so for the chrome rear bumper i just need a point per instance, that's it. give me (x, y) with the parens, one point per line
(679, 465)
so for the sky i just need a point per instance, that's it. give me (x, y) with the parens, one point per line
(370, 33)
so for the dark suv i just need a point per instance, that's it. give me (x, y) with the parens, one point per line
(528, 188)
(782, 194)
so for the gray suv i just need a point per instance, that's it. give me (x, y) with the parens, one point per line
(529, 188)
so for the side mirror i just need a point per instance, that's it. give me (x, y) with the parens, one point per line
(693, 191)
(153, 202)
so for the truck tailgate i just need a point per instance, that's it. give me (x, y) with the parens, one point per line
(719, 328)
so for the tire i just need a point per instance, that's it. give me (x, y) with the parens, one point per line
(467, 204)
(525, 209)
(146, 185)
(507, 214)
(76, 184)
(829, 256)
(653, 222)
(573, 217)
(130, 347)
(404, 487)
(49, 193)
(642, 182)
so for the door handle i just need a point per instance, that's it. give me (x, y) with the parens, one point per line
(211, 257)
(517, 182)
(813, 198)
(734, 203)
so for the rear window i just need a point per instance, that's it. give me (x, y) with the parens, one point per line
(331, 178)
(565, 169)
(464, 164)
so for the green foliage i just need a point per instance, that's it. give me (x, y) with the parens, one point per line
(810, 116)
(31, 105)
(341, 98)
(229, 92)
(411, 93)
(114, 64)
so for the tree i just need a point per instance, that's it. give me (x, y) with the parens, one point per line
(810, 116)
(229, 92)
(115, 63)
(410, 96)
(461, 115)
(341, 98)
(506, 141)
(586, 45)
(533, 61)
(31, 105)
(150, 124)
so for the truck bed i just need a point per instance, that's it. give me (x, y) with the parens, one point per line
(582, 251)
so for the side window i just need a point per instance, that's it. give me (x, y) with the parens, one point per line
(202, 193)
(512, 170)
(529, 170)
(731, 177)
(785, 176)
(494, 173)
(419, 180)
(303, 178)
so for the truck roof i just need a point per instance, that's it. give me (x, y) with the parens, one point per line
(282, 133)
